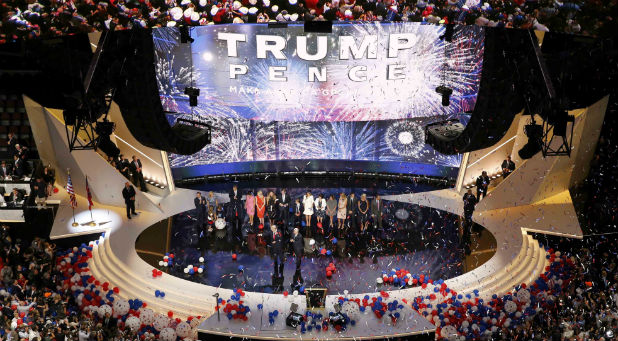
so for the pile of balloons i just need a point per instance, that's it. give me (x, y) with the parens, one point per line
(330, 270)
(191, 270)
(467, 316)
(95, 297)
(168, 260)
(272, 315)
(402, 278)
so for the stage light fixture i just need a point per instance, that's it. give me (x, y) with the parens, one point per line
(446, 94)
(193, 94)
(535, 137)
(185, 37)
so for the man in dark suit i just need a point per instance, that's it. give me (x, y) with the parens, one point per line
(199, 208)
(482, 182)
(138, 176)
(128, 193)
(12, 142)
(235, 208)
(298, 245)
(469, 202)
(5, 170)
(276, 249)
(298, 212)
(352, 208)
(18, 166)
(508, 166)
(376, 211)
(109, 326)
(284, 209)
(16, 196)
(123, 166)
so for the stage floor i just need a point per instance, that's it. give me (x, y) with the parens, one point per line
(425, 242)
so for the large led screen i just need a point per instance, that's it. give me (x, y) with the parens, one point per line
(361, 93)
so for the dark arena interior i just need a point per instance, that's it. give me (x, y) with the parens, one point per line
(308, 170)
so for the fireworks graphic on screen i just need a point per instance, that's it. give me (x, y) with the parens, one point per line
(405, 139)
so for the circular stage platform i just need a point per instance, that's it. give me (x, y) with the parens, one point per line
(413, 239)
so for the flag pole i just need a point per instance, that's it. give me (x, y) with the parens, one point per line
(74, 222)
(70, 200)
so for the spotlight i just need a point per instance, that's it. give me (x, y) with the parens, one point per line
(535, 136)
(446, 94)
(105, 128)
(193, 94)
(448, 33)
(184, 35)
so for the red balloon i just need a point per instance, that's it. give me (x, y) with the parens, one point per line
(234, 256)
(55, 190)
(171, 255)
(285, 293)
(116, 290)
(170, 313)
(329, 273)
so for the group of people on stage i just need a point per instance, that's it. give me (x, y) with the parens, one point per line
(131, 170)
(310, 211)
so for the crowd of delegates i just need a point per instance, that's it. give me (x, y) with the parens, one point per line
(17, 166)
(52, 18)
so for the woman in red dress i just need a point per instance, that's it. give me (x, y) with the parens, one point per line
(260, 205)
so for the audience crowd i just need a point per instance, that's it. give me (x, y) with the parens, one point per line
(44, 18)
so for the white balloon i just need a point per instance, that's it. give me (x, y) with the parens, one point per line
(161, 263)
(146, 316)
(201, 259)
(200, 270)
(186, 270)
(103, 309)
(449, 332)
(183, 329)
(510, 306)
(121, 307)
(161, 322)
(351, 309)
(523, 295)
(133, 323)
(196, 322)
(167, 334)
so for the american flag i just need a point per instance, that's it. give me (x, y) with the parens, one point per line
(71, 192)
(90, 203)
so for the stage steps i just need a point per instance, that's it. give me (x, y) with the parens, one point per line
(105, 267)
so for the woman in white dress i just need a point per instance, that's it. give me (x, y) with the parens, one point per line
(341, 210)
(308, 209)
